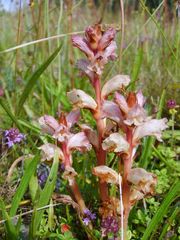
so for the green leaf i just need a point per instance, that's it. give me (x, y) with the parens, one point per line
(169, 222)
(10, 114)
(33, 79)
(158, 154)
(44, 198)
(136, 68)
(173, 193)
(149, 142)
(10, 228)
(23, 185)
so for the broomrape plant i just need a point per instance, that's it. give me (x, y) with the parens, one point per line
(121, 123)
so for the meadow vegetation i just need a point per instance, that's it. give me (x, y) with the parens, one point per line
(47, 189)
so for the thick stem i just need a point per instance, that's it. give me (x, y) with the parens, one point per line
(100, 154)
(75, 189)
(126, 186)
(73, 184)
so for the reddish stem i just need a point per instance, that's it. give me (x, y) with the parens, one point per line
(126, 186)
(74, 186)
(100, 153)
(77, 194)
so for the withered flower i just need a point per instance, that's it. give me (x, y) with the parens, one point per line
(80, 99)
(48, 151)
(143, 181)
(106, 174)
(69, 174)
(115, 143)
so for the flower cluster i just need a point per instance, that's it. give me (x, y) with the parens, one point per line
(13, 136)
(98, 46)
(42, 174)
(62, 131)
(109, 225)
(88, 216)
(67, 142)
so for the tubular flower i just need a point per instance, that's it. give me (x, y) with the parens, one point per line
(62, 132)
(115, 143)
(48, 151)
(152, 127)
(132, 107)
(98, 46)
(80, 99)
(111, 111)
(115, 84)
(144, 181)
(106, 174)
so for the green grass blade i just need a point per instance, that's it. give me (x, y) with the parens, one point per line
(173, 193)
(136, 68)
(10, 114)
(160, 30)
(44, 197)
(149, 142)
(33, 79)
(23, 185)
(10, 228)
(170, 221)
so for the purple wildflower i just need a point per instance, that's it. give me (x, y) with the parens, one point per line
(89, 216)
(42, 174)
(109, 225)
(171, 103)
(13, 136)
(86, 221)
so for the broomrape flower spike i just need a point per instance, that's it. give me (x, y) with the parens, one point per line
(121, 123)
(98, 46)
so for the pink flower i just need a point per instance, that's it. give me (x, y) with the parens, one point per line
(111, 110)
(78, 141)
(171, 103)
(48, 124)
(67, 140)
(143, 181)
(115, 143)
(81, 43)
(107, 38)
(93, 35)
(132, 107)
(49, 150)
(115, 84)
(80, 99)
(91, 135)
(98, 46)
(152, 127)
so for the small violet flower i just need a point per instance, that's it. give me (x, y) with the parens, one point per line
(43, 171)
(89, 216)
(171, 103)
(13, 136)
